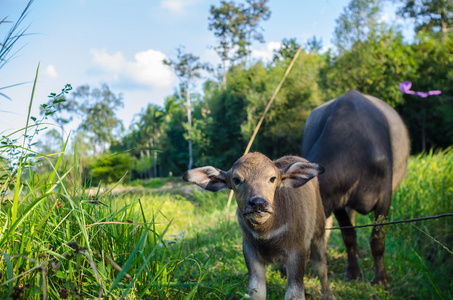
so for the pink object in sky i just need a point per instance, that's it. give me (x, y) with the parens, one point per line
(405, 88)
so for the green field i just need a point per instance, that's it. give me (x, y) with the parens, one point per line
(60, 240)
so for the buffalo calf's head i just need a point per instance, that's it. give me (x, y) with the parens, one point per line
(254, 179)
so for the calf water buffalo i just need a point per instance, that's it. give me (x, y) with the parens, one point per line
(280, 212)
(364, 146)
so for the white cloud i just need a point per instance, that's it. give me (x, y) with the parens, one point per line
(109, 62)
(173, 5)
(147, 68)
(266, 52)
(51, 71)
(177, 6)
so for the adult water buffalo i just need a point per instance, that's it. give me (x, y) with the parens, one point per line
(363, 144)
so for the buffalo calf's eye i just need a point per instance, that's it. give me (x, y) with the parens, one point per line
(236, 181)
(273, 179)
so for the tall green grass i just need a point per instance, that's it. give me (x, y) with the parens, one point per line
(68, 240)
(58, 240)
(425, 248)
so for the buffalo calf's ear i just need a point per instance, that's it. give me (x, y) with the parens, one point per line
(209, 178)
(299, 173)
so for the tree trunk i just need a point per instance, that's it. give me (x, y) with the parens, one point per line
(189, 119)
(423, 139)
(155, 164)
(150, 145)
(154, 158)
(223, 85)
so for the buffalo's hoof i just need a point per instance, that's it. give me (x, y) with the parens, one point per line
(349, 277)
(352, 273)
(381, 281)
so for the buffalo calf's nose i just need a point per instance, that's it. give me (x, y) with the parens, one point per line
(258, 203)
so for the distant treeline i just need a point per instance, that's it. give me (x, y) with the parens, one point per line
(224, 119)
(369, 56)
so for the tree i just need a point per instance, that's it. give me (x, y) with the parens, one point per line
(430, 120)
(256, 12)
(223, 21)
(357, 21)
(236, 26)
(52, 142)
(369, 67)
(372, 59)
(110, 167)
(432, 15)
(174, 145)
(201, 119)
(224, 132)
(188, 68)
(314, 44)
(282, 129)
(150, 127)
(287, 50)
(97, 109)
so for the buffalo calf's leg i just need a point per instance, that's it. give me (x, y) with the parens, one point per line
(295, 270)
(319, 261)
(257, 274)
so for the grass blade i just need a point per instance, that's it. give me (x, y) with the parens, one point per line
(23, 217)
(145, 263)
(9, 268)
(130, 259)
(60, 158)
(21, 159)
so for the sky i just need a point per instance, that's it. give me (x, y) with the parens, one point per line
(123, 43)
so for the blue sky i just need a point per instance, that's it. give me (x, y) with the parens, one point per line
(122, 43)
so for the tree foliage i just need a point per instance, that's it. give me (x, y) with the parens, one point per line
(429, 15)
(236, 26)
(188, 68)
(430, 119)
(109, 167)
(370, 68)
(287, 50)
(97, 109)
(358, 20)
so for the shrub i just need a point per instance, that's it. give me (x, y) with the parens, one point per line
(154, 183)
(110, 168)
